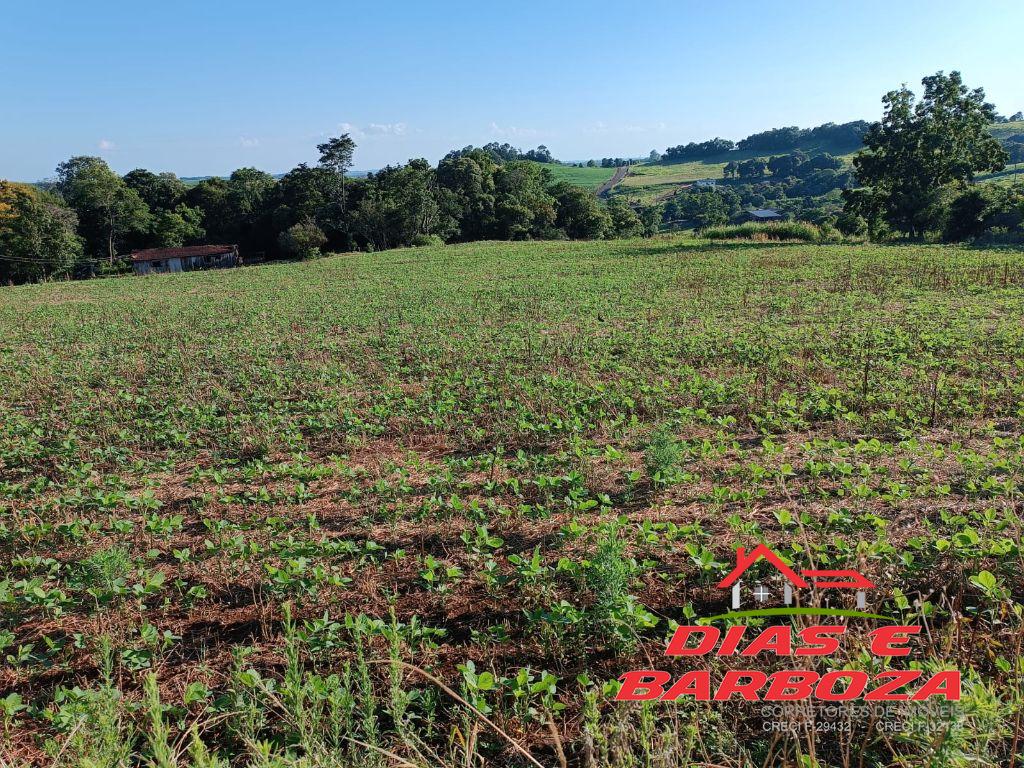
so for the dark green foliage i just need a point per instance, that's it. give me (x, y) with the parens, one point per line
(579, 215)
(847, 134)
(983, 209)
(302, 240)
(505, 153)
(524, 208)
(624, 220)
(110, 213)
(851, 225)
(177, 227)
(786, 165)
(706, 208)
(697, 151)
(161, 192)
(919, 149)
(399, 204)
(753, 168)
(37, 235)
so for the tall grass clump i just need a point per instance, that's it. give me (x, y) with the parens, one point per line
(776, 231)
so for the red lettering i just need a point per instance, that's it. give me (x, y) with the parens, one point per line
(733, 635)
(898, 678)
(778, 639)
(892, 641)
(825, 689)
(791, 685)
(748, 690)
(677, 645)
(945, 683)
(696, 684)
(819, 640)
(642, 685)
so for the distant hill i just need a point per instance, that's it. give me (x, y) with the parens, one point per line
(648, 182)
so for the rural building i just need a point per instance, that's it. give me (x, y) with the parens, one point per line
(763, 214)
(185, 259)
(705, 183)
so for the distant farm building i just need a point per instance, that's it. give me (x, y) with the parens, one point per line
(705, 183)
(763, 214)
(185, 259)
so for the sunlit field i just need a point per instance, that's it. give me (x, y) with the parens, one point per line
(584, 177)
(426, 506)
(651, 181)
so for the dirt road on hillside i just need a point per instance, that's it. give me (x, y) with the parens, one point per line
(620, 173)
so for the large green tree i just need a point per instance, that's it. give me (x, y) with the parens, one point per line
(921, 149)
(624, 220)
(160, 191)
(399, 206)
(37, 235)
(248, 197)
(181, 226)
(523, 208)
(336, 155)
(580, 216)
(109, 210)
(467, 192)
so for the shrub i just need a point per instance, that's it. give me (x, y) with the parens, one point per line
(302, 240)
(788, 230)
(852, 224)
(829, 233)
(421, 241)
(982, 210)
(661, 459)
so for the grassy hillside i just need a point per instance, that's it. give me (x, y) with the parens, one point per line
(1012, 174)
(1005, 130)
(520, 464)
(585, 177)
(649, 181)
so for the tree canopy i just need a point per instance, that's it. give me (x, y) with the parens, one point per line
(920, 149)
(37, 235)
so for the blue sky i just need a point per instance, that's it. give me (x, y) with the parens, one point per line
(205, 87)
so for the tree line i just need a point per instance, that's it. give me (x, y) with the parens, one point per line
(86, 219)
(774, 140)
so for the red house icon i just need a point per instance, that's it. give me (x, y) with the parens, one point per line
(817, 578)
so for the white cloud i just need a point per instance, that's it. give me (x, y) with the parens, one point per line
(374, 129)
(248, 142)
(512, 131)
(106, 145)
(352, 130)
(387, 129)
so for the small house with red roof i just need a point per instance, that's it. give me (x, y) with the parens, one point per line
(185, 259)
